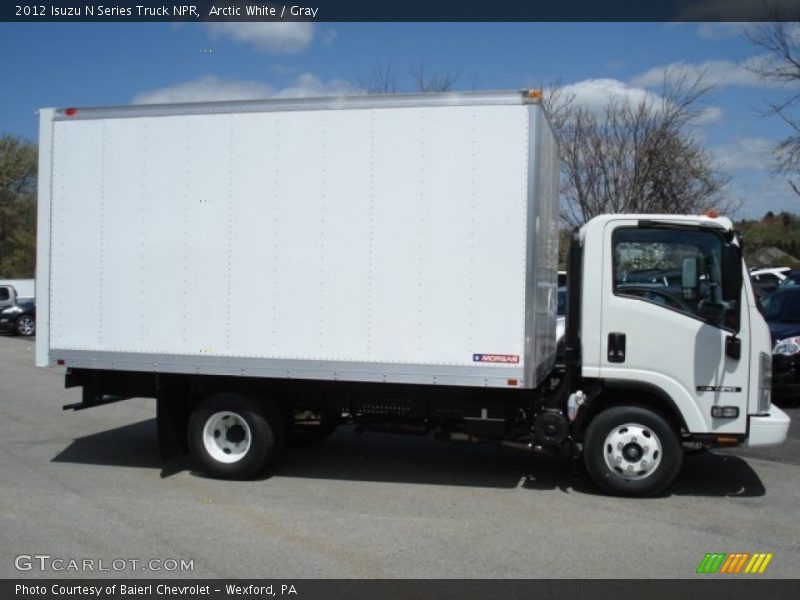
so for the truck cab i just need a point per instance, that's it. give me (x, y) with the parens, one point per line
(669, 323)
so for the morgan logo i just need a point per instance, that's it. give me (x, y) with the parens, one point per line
(496, 358)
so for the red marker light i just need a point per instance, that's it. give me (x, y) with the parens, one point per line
(60, 361)
(70, 112)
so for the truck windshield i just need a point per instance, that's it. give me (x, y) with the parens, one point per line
(649, 264)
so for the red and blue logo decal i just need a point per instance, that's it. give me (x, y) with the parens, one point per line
(496, 358)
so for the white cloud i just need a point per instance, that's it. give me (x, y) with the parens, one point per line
(746, 154)
(284, 37)
(308, 85)
(595, 94)
(211, 88)
(721, 73)
(205, 89)
(718, 31)
(708, 115)
(329, 36)
(718, 72)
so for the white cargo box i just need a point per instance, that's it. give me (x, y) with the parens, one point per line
(399, 239)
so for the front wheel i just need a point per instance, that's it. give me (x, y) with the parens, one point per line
(233, 436)
(25, 325)
(632, 451)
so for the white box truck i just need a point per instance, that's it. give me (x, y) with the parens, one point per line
(269, 270)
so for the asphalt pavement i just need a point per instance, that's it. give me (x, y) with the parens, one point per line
(90, 486)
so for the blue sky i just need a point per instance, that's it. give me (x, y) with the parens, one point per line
(73, 64)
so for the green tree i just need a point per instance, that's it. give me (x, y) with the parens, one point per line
(18, 160)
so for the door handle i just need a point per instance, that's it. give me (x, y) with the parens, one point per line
(616, 347)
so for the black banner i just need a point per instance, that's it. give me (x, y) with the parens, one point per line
(734, 588)
(434, 10)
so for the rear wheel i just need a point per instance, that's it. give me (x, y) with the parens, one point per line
(632, 451)
(234, 437)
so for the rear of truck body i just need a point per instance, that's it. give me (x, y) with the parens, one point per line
(269, 269)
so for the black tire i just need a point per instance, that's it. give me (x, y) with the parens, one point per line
(245, 432)
(632, 451)
(25, 325)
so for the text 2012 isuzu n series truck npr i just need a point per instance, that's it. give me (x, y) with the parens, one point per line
(269, 270)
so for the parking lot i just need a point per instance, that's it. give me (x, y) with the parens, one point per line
(90, 485)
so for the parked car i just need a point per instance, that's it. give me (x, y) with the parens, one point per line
(792, 279)
(761, 291)
(782, 312)
(19, 319)
(770, 278)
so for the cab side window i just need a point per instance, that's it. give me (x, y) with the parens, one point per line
(678, 269)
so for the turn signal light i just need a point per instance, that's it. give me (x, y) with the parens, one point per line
(727, 439)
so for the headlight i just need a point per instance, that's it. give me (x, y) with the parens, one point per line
(787, 347)
(11, 310)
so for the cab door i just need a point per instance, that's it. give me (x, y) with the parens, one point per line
(665, 324)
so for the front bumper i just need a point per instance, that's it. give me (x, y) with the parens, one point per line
(768, 430)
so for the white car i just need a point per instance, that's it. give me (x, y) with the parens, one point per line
(770, 277)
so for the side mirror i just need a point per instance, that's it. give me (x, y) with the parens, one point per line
(732, 281)
(689, 281)
(731, 273)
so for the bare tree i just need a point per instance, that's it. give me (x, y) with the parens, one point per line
(782, 65)
(635, 156)
(439, 82)
(381, 80)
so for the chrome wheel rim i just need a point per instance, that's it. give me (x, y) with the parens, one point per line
(227, 437)
(26, 326)
(633, 451)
